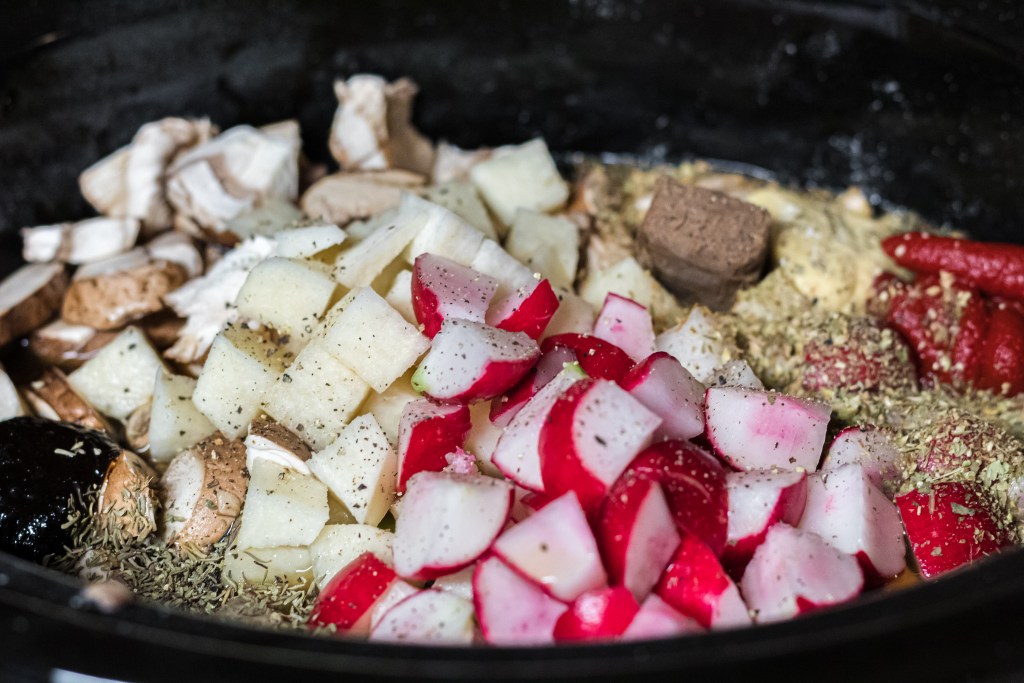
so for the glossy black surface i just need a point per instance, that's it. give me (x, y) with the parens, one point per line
(920, 102)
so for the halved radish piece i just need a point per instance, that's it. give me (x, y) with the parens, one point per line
(763, 429)
(626, 324)
(399, 590)
(597, 357)
(348, 600)
(505, 407)
(427, 433)
(794, 572)
(671, 393)
(949, 526)
(510, 609)
(527, 310)
(758, 500)
(555, 548)
(592, 433)
(527, 502)
(637, 534)
(854, 516)
(602, 614)
(470, 361)
(427, 618)
(694, 484)
(656, 619)
(460, 583)
(517, 453)
(442, 289)
(867, 447)
(695, 584)
(448, 521)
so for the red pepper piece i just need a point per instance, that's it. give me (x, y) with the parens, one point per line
(1002, 356)
(994, 268)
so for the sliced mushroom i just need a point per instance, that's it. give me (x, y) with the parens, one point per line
(11, 404)
(345, 197)
(86, 241)
(29, 297)
(163, 328)
(410, 149)
(67, 346)
(111, 293)
(127, 498)
(136, 428)
(177, 248)
(51, 396)
(203, 491)
(273, 441)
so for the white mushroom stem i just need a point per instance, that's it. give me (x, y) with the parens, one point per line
(83, 242)
(345, 197)
(177, 248)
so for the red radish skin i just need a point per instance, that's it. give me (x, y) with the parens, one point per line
(347, 601)
(656, 619)
(696, 585)
(443, 289)
(505, 407)
(637, 534)
(470, 361)
(794, 572)
(868, 447)
(598, 615)
(763, 429)
(758, 500)
(662, 384)
(428, 617)
(528, 312)
(626, 324)
(598, 358)
(427, 432)
(853, 515)
(517, 453)
(447, 522)
(555, 548)
(948, 527)
(592, 433)
(694, 483)
(511, 610)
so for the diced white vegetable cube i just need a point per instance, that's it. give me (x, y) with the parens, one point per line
(399, 295)
(258, 566)
(339, 544)
(387, 407)
(461, 198)
(521, 177)
(697, 343)
(308, 240)
(119, 378)
(287, 294)
(174, 421)
(549, 245)
(282, 508)
(444, 234)
(360, 265)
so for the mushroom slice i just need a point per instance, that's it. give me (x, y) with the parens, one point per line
(177, 248)
(273, 441)
(345, 197)
(203, 491)
(136, 428)
(86, 241)
(10, 399)
(52, 396)
(127, 499)
(65, 345)
(410, 149)
(29, 297)
(110, 293)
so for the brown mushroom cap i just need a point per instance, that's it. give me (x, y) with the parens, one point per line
(29, 297)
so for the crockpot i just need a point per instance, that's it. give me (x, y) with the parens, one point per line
(920, 103)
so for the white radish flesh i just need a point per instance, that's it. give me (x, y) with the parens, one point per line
(427, 618)
(626, 324)
(669, 391)
(656, 619)
(758, 499)
(869, 448)
(443, 289)
(512, 610)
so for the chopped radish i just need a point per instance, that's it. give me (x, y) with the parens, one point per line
(348, 600)
(637, 533)
(427, 433)
(670, 392)
(470, 361)
(447, 521)
(483, 437)
(656, 619)
(695, 584)
(460, 583)
(794, 572)
(442, 289)
(504, 407)
(597, 357)
(527, 502)
(867, 447)
(592, 433)
(526, 310)
(949, 526)
(555, 548)
(598, 615)
(512, 610)
(694, 485)
(758, 500)
(517, 453)
(399, 591)
(427, 618)
(735, 373)
(626, 324)
(854, 516)
(763, 429)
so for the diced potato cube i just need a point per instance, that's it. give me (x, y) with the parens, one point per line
(387, 407)
(119, 379)
(524, 177)
(628, 278)
(308, 240)
(287, 294)
(360, 468)
(374, 339)
(461, 198)
(510, 273)
(360, 265)
(339, 544)
(399, 296)
(258, 566)
(549, 245)
(282, 508)
(316, 396)
(241, 367)
(174, 421)
(444, 234)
